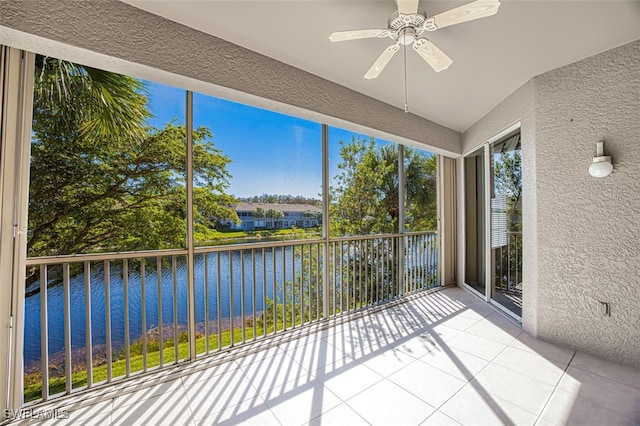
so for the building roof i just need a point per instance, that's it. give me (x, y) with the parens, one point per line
(289, 208)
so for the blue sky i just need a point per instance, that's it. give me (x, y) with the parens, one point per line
(271, 153)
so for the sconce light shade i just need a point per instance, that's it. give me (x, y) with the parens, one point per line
(601, 166)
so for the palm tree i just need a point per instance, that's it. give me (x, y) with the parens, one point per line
(275, 215)
(258, 214)
(88, 100)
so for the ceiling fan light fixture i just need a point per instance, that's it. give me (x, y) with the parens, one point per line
(407, 36)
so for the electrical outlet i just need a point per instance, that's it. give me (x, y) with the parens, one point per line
(604, 309)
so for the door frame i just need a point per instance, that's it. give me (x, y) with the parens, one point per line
(486, 146)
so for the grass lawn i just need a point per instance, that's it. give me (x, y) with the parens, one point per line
(33, 382)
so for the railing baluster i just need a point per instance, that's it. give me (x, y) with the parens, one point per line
(399, 257)
(206, 302)
(360, 254)
(376, 250)
(231, 307)
(174, 277)
(414, 264)
(367, 273)
(388, 270)
(284, 288)
(293, 286)
(433, 259)
(321, 284)
(385, 269)
(253, 292)
(395, 272)
(67, 327)
(310, 283)
(107, 316)
(87, 321)
(275, 294)
(242, 307)
(125, 286)
(44, 333)
(264, 292)
(143, 314)
(351, 282)
(424, 260)
(341, 276)
(517, 264)
(418, 262)
(219, 301)
(160, 325)
(509, 263)
(302, 284)
(335, 281)
(412, 258)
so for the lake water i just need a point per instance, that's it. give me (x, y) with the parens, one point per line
(55, 294)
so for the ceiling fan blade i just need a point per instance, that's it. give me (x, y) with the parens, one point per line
(468, 12)
(382, 61)
(407, 7)
(357, 34)
(435, 57)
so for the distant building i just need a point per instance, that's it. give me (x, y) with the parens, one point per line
(298, 215)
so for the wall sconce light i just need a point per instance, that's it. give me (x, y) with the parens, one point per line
(601, 166)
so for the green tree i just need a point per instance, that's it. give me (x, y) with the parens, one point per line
(101, 179)
(508, 182)
(365, 194)
(421, 191)
(365, 200)
(273, 214)
(258, 214)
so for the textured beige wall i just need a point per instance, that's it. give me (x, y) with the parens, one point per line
(115, 35)
(589, 229)
(582, 235)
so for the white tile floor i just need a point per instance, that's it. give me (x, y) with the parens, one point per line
(443, 358)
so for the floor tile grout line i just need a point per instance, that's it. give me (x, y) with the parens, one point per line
(186, 396)
(473, 376)
(607, 377)
(443, 414)
(422, 399)
(555, 389)
(527, 375)
(341, 403)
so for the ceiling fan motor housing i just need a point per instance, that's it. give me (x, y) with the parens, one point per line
(413, 24)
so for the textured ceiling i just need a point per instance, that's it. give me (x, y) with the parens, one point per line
(491, 56)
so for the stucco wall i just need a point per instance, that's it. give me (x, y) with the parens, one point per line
(589, 229)
(586, 231)
(116, 36)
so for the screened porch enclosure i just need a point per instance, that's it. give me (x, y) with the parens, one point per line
(138, 255)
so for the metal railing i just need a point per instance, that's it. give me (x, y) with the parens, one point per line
(100, 318)
(508, 264)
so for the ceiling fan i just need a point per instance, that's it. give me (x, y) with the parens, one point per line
(408, 25)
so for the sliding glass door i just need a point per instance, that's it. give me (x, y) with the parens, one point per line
(506, 223)
(493, 222)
